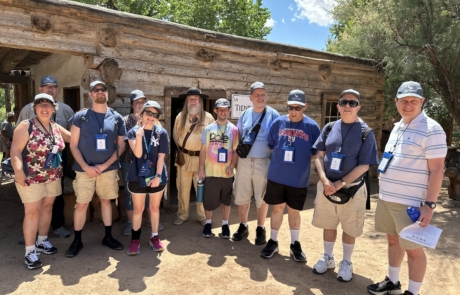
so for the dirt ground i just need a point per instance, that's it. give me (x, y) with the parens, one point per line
(192, 264)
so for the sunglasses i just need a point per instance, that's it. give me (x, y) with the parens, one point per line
(152, 114)
(351, 103)
(96, 90)
(297, 108)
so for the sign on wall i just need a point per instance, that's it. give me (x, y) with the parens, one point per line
(240, 102)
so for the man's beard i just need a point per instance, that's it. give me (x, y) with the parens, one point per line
(101, 100)
(193, 110)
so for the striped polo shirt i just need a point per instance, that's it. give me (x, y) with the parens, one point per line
(406, 178)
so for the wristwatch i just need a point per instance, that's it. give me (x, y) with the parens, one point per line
(158, 175)
(344, 183)
(432, 205)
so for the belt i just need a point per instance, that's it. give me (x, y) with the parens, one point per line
(190, 153)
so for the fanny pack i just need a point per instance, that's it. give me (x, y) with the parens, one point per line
(344, 195)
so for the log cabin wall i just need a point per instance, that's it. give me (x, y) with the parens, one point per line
(134, 52)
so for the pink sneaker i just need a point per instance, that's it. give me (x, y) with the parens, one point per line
(134, 248)
(156, 244)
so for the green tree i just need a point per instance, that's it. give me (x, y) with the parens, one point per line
(417, 40)
(245, 18)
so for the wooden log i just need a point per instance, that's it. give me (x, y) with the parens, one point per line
(12, 59)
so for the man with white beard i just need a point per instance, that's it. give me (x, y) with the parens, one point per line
(188, 127)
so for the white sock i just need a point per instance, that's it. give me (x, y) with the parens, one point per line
(393, 273)
(347, 251)
(154, 234)
(224, 222)
(208, 221)
(40, 239)
(294, 235)
(261, 226)
(29, 248)
(328, 248)
(245, 224)
(414, 287)
(274, 235)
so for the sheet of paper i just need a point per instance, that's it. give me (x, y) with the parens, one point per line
(425, 236)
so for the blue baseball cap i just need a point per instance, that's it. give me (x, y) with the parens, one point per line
(410, 88)
(48, 80)
(296, 97)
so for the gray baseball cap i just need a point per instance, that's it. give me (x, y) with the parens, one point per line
(352, 92)
(152, 104)
(41, 96)
(94, 83)
(222, 103)
(296, 97)
(257, 85)
(410, 88)
(136, 94)
(48, 80)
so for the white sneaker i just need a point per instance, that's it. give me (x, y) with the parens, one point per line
(345, 273)
(324, 263)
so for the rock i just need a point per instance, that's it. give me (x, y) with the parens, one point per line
(448, 204)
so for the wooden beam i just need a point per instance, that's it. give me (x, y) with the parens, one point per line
(9, 79)
(12, 59)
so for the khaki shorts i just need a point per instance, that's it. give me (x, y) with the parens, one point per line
(391, 218)
(251, 179)
(350, 215)
(105, 185)
(37, 191)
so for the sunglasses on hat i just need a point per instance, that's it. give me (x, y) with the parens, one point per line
(351, 103)
(152, 114)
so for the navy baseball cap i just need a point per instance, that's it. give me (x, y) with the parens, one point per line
(136, 94)
(352, 92)
(410, 88)
(257, 85)
(46, 80)
(94, 83)
(296, 97)
(152, 104)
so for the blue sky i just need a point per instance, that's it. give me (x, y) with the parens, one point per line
(302, 23)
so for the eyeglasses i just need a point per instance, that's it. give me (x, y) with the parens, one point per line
(351, 103)
(96, 90)
(297, 108)
(152, 114)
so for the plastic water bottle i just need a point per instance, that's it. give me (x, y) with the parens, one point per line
(413, 213)
(200, 189)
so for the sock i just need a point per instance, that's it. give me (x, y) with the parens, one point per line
(208, 221)
(347, 251)
(29, 248)
(136, 234)
(261, 226)
(414, 287)
(393, 273)
(294, 235)
(154, 234)
(108, 231)
(329, 248)
(245, 224)
(40, 239)
(274, 235)
(224, 222)
(77, 234)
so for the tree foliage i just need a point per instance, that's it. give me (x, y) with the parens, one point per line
(412, 40)
(245, 18)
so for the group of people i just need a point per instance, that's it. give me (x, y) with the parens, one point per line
(272, 156)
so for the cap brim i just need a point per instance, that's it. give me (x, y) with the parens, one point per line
(184, 95)
(296, 102)
(408, 94)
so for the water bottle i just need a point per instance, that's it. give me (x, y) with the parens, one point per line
(413, 213)
(200, 190)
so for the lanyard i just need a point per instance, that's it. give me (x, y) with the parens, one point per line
(343, 138)
(222, 132)
(101, 124)
(147, 148)
(399, 136)
(290, 127)
(49, 134)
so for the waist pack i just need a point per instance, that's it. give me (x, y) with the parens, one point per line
(243, 149)
(344, 195)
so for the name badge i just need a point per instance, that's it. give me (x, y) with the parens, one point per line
(384, 162)
(101, 142)
(336, 161)
(50, 158)
(222, 155)
(144, 170)
(249, 138)
(289, 154)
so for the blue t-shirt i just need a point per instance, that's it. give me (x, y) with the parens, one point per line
(248, 120)
(159, 144)
(89, 122)
(301, 136)
(349, 137)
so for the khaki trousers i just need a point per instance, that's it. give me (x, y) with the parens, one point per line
(184, 184)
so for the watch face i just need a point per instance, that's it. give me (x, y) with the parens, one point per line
(432, 205)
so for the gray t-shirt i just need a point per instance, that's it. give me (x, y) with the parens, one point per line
(62, 116)
(8, 127)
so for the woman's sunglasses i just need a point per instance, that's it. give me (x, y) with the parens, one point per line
(297, 108)
(152, 114)
(351, 103)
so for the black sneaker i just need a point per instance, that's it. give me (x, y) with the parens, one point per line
(407, 293)
(385, 287)
(112, 243)
(225, 232)
(32, 261)
(242, 233)
(45, 247)
(270, 249)
(207, 230)
(260, 236)
(297, 253)
(74, 249)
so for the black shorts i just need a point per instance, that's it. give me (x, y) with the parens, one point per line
(277, 193)
(136, 188)
(217, 190)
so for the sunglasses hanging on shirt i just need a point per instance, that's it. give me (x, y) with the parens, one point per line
(351, 103)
